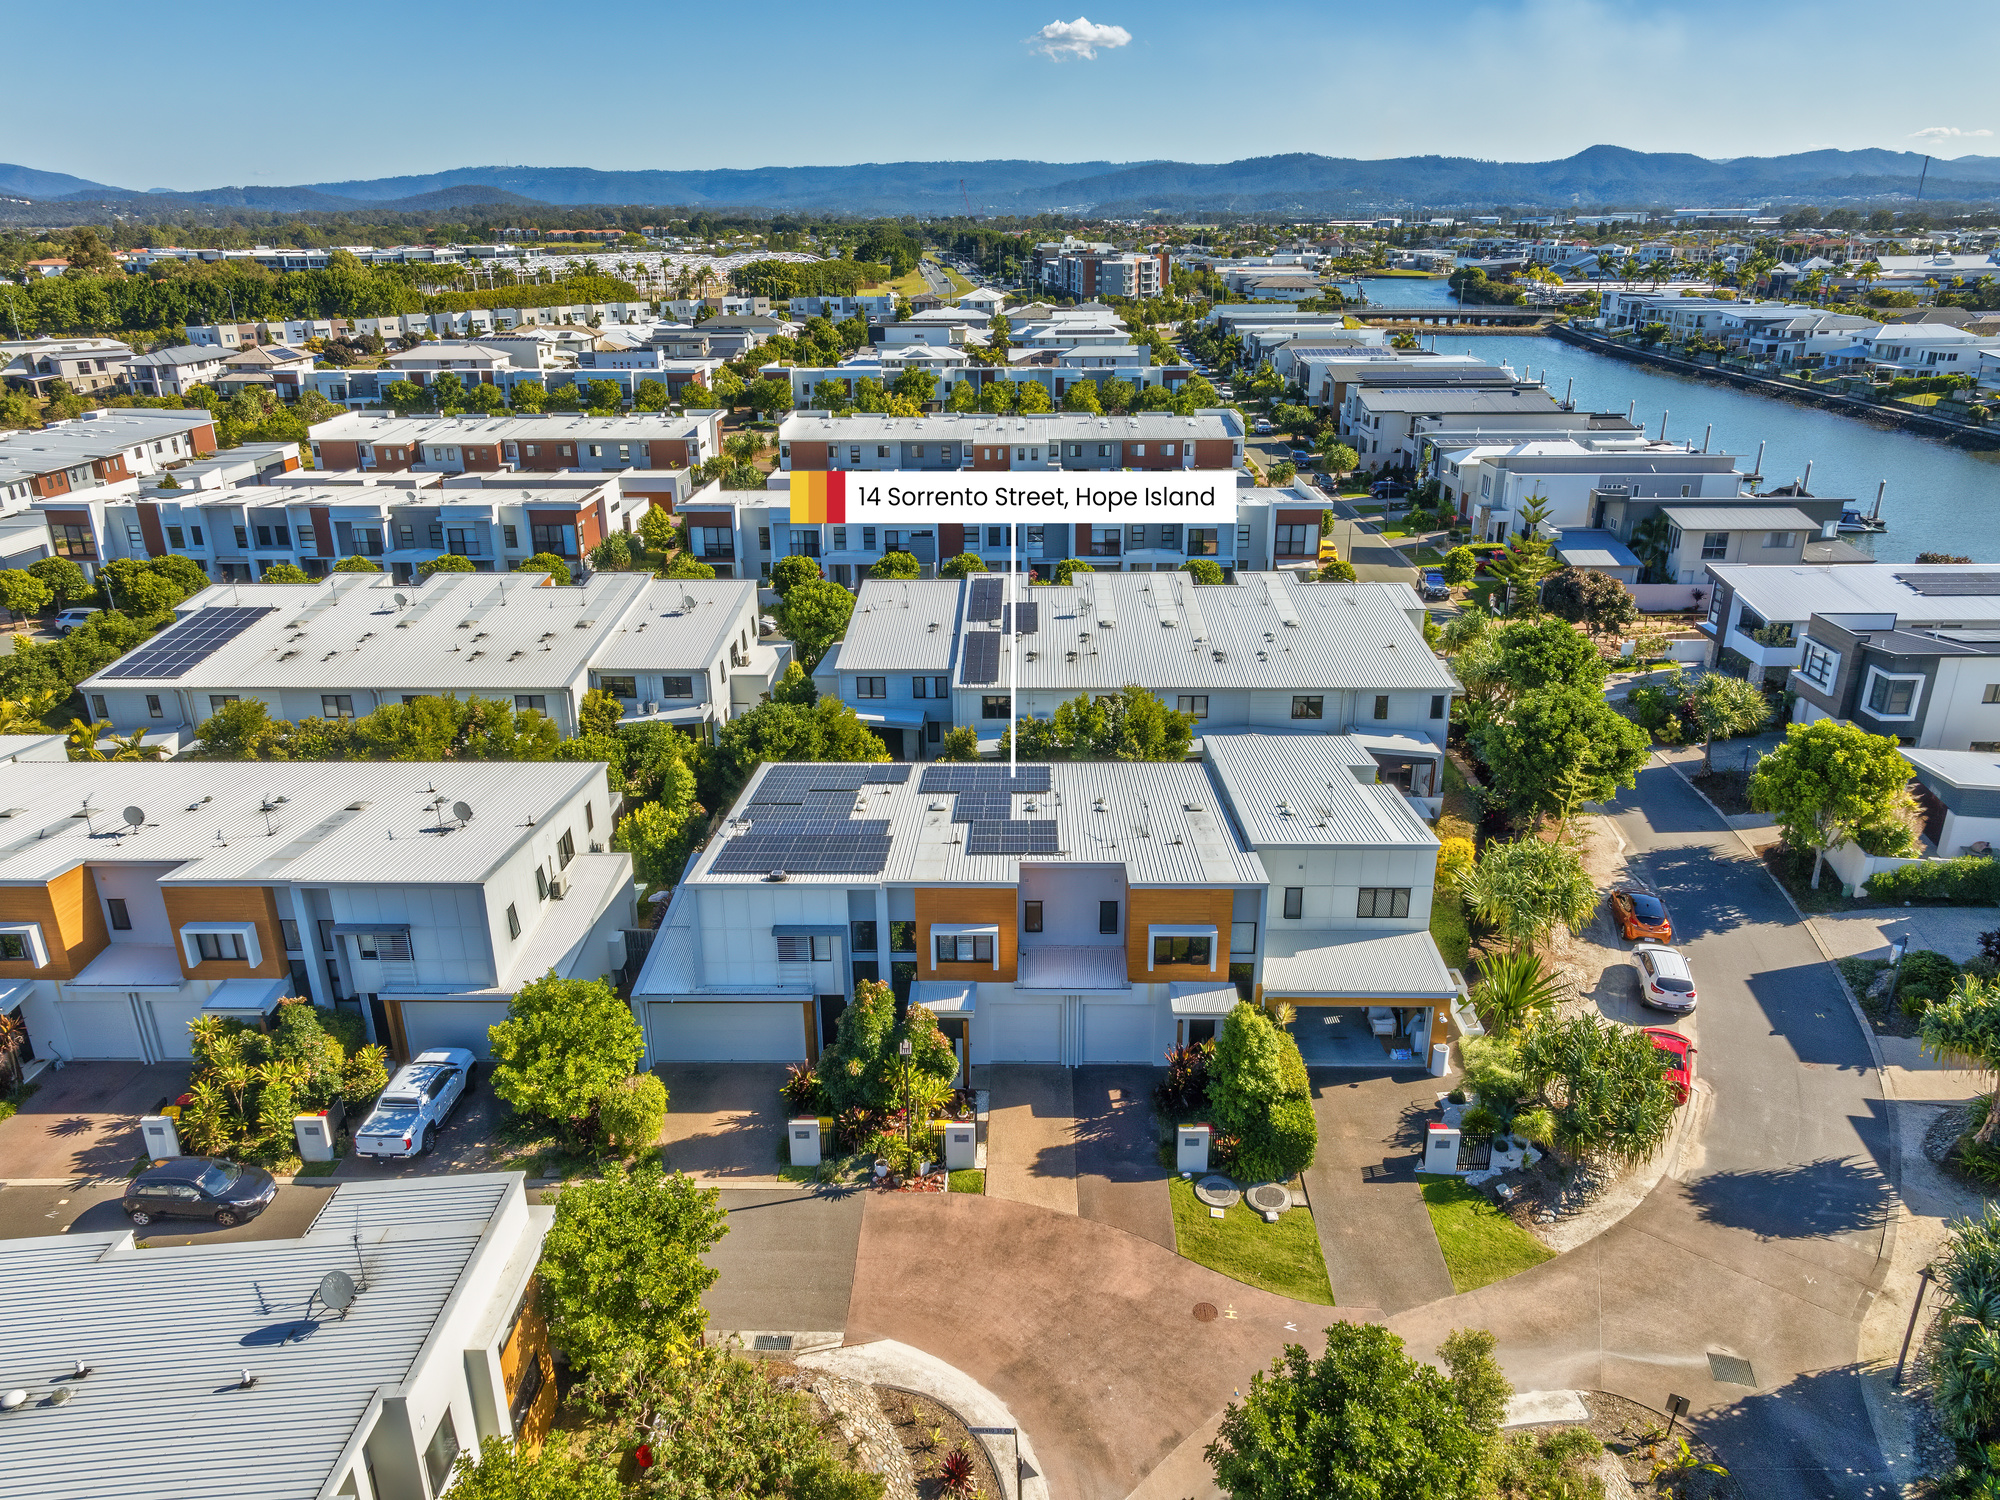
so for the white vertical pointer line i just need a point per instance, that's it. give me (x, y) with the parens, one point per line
(1013, 646)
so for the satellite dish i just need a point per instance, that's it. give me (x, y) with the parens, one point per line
(135, 817)
(462, 811)
(336, 1290)
(401, 600)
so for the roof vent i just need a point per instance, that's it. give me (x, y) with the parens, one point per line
(776, 875)
(12, 812)
(359, 806)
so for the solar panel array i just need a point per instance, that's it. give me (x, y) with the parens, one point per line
(192, 641)
(1951, 585)
(982, 656)
(981, 807)
(800, 823)
(1028, 617)
(947, 777)
(985, 601)
(1021, 836)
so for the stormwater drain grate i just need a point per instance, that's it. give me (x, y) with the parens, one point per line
(1727, 1369)
(1204, 1312)
(772, 1341)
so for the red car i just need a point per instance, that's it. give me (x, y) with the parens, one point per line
(1641, 914)
(1679, 1062)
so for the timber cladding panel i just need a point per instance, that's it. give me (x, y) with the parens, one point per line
(1177, 908)
(71, 919)
(526, 1363)
(229, 903)
(978, 904)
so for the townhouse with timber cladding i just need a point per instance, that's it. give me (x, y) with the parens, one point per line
(924, 656)
(683, 652)
(1074, 912)
(110, 449)
(482, 444)
(137, 897)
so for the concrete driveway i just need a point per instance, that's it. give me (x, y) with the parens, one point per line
(724, 1120)
(1079, 1141)
(83, 1119)
(787, 1263)
(1373, 1227)
(467, 1142)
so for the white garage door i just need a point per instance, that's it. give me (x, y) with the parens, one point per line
(1024, 1033)
(1118, 1034)
(101, 1029)
(441, 1023)
(170, 1025)
(701, 1031)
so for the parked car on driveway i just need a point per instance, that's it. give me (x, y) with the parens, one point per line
(199, 1187)
(1434, 585)
(1665, 982)
(1677, 1058)
(419, 1099)
(1641, 914)
(69, 619)
(1388, 489)
(1263, 426)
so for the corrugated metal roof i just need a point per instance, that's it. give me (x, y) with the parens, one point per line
(469, 633)
(1795, 594)
(1739, 518)
(1366, 966)
(903, 625)
(1508, 402)
(362, 1206)
(337, 821)
(1168, 633)
(1298, 788)
(169, 1331)
(637, 427)
(973, 427)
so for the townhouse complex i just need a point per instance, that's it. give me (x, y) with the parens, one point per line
(137, 897)
(1076, 912)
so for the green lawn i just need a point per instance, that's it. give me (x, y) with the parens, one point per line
(1282, 1257)
(1448, 930)
(969, 1180)
(1481, 1245)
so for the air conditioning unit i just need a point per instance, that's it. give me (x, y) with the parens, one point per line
(558, 889)
(652, 708)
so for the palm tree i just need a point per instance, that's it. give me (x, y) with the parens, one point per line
(24, 715)
(83, 738)
(12, 1035)
(133, 747)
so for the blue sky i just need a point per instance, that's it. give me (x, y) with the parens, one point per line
(285, 93)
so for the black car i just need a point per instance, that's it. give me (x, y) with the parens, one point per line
(199, 1187)
(1388, 489)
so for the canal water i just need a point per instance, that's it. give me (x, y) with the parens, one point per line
(1940, 498)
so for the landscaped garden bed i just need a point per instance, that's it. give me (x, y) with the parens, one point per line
(942, 1450)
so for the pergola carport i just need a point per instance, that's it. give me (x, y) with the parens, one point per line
(1329, 976)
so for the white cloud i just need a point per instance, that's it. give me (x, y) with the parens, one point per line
(1079, 38)
(1947, 133)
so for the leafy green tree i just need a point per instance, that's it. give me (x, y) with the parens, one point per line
(599, 713)
(769, 396)
(657, 529)
(828, 730)
(1602, 1086)
(963, 398)
(1362, 1420)
(23, 593)
(486, 398)
(816, 613)
(356, 565)
(1481, 1386)
(1459, 566)
(547, 562)
(1560, 740)
(284, 573)
(787, 573)
(1069, 567)
(1336, 570)
(1528, 560)
(1596, 601)
(1133, 724)
(529, 396)
(449, 562)
(1115, 393)
(612, 555)
(1337, 457)
(138, 589)
(961, 743)
(1527, 888)
(1548, 654)
(1082, 397)
(896, 565)
(1203, 569)
(1723, 708)
(63, 579)
(864, 1069)
(1258, 1094)
(1033, 397)
(794, 686)
(658, 835)
(1827, 779)
(621, 1271)
(1963, 1030)
(682, 565)
(651, 395)
(604, 395)
(633, 1114)
(1514, 986)
(962, 565)
(505, 1470)
(242, 730)
(916, 385)
(564, 1045)
(997, 397)
(408, 396)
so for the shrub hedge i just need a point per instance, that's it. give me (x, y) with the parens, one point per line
(1955, 882)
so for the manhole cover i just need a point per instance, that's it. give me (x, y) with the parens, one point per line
(1218, 1192)
(1204, 1312)
(1269, 1198)
(1727, 1369)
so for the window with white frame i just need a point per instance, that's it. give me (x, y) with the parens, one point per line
(22, 942)
(1892, 695)
(1817, 664)
(205, 942)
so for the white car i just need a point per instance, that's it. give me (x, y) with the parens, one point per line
(1665, 981)
(419, 1099)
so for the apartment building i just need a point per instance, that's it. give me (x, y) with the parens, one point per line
(439, 1349)
(174, 372)
(88, 366)
(148, 895)
(105, 448)
(1492, 483)
(681, 652)
(1072, 913)
(1381, 422)
(924, 656)
(472, 443)
(1210, 439)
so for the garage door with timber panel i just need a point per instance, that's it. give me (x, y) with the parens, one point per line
(708, 1031)
(1118, 1034)
(451, 1023)
(1019, 1032)
(101, 1029)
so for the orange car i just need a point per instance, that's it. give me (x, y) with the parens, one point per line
(1641, 914)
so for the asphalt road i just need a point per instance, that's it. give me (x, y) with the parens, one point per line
(1741, 1285)
(27, 1212)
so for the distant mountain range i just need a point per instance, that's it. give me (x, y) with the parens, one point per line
(1602, 176)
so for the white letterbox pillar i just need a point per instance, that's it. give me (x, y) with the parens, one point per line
(160, 1136)
(1441, 1150)
(315, 1133)
(1191, 1144)
(961, 1146)
(805, 1141)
